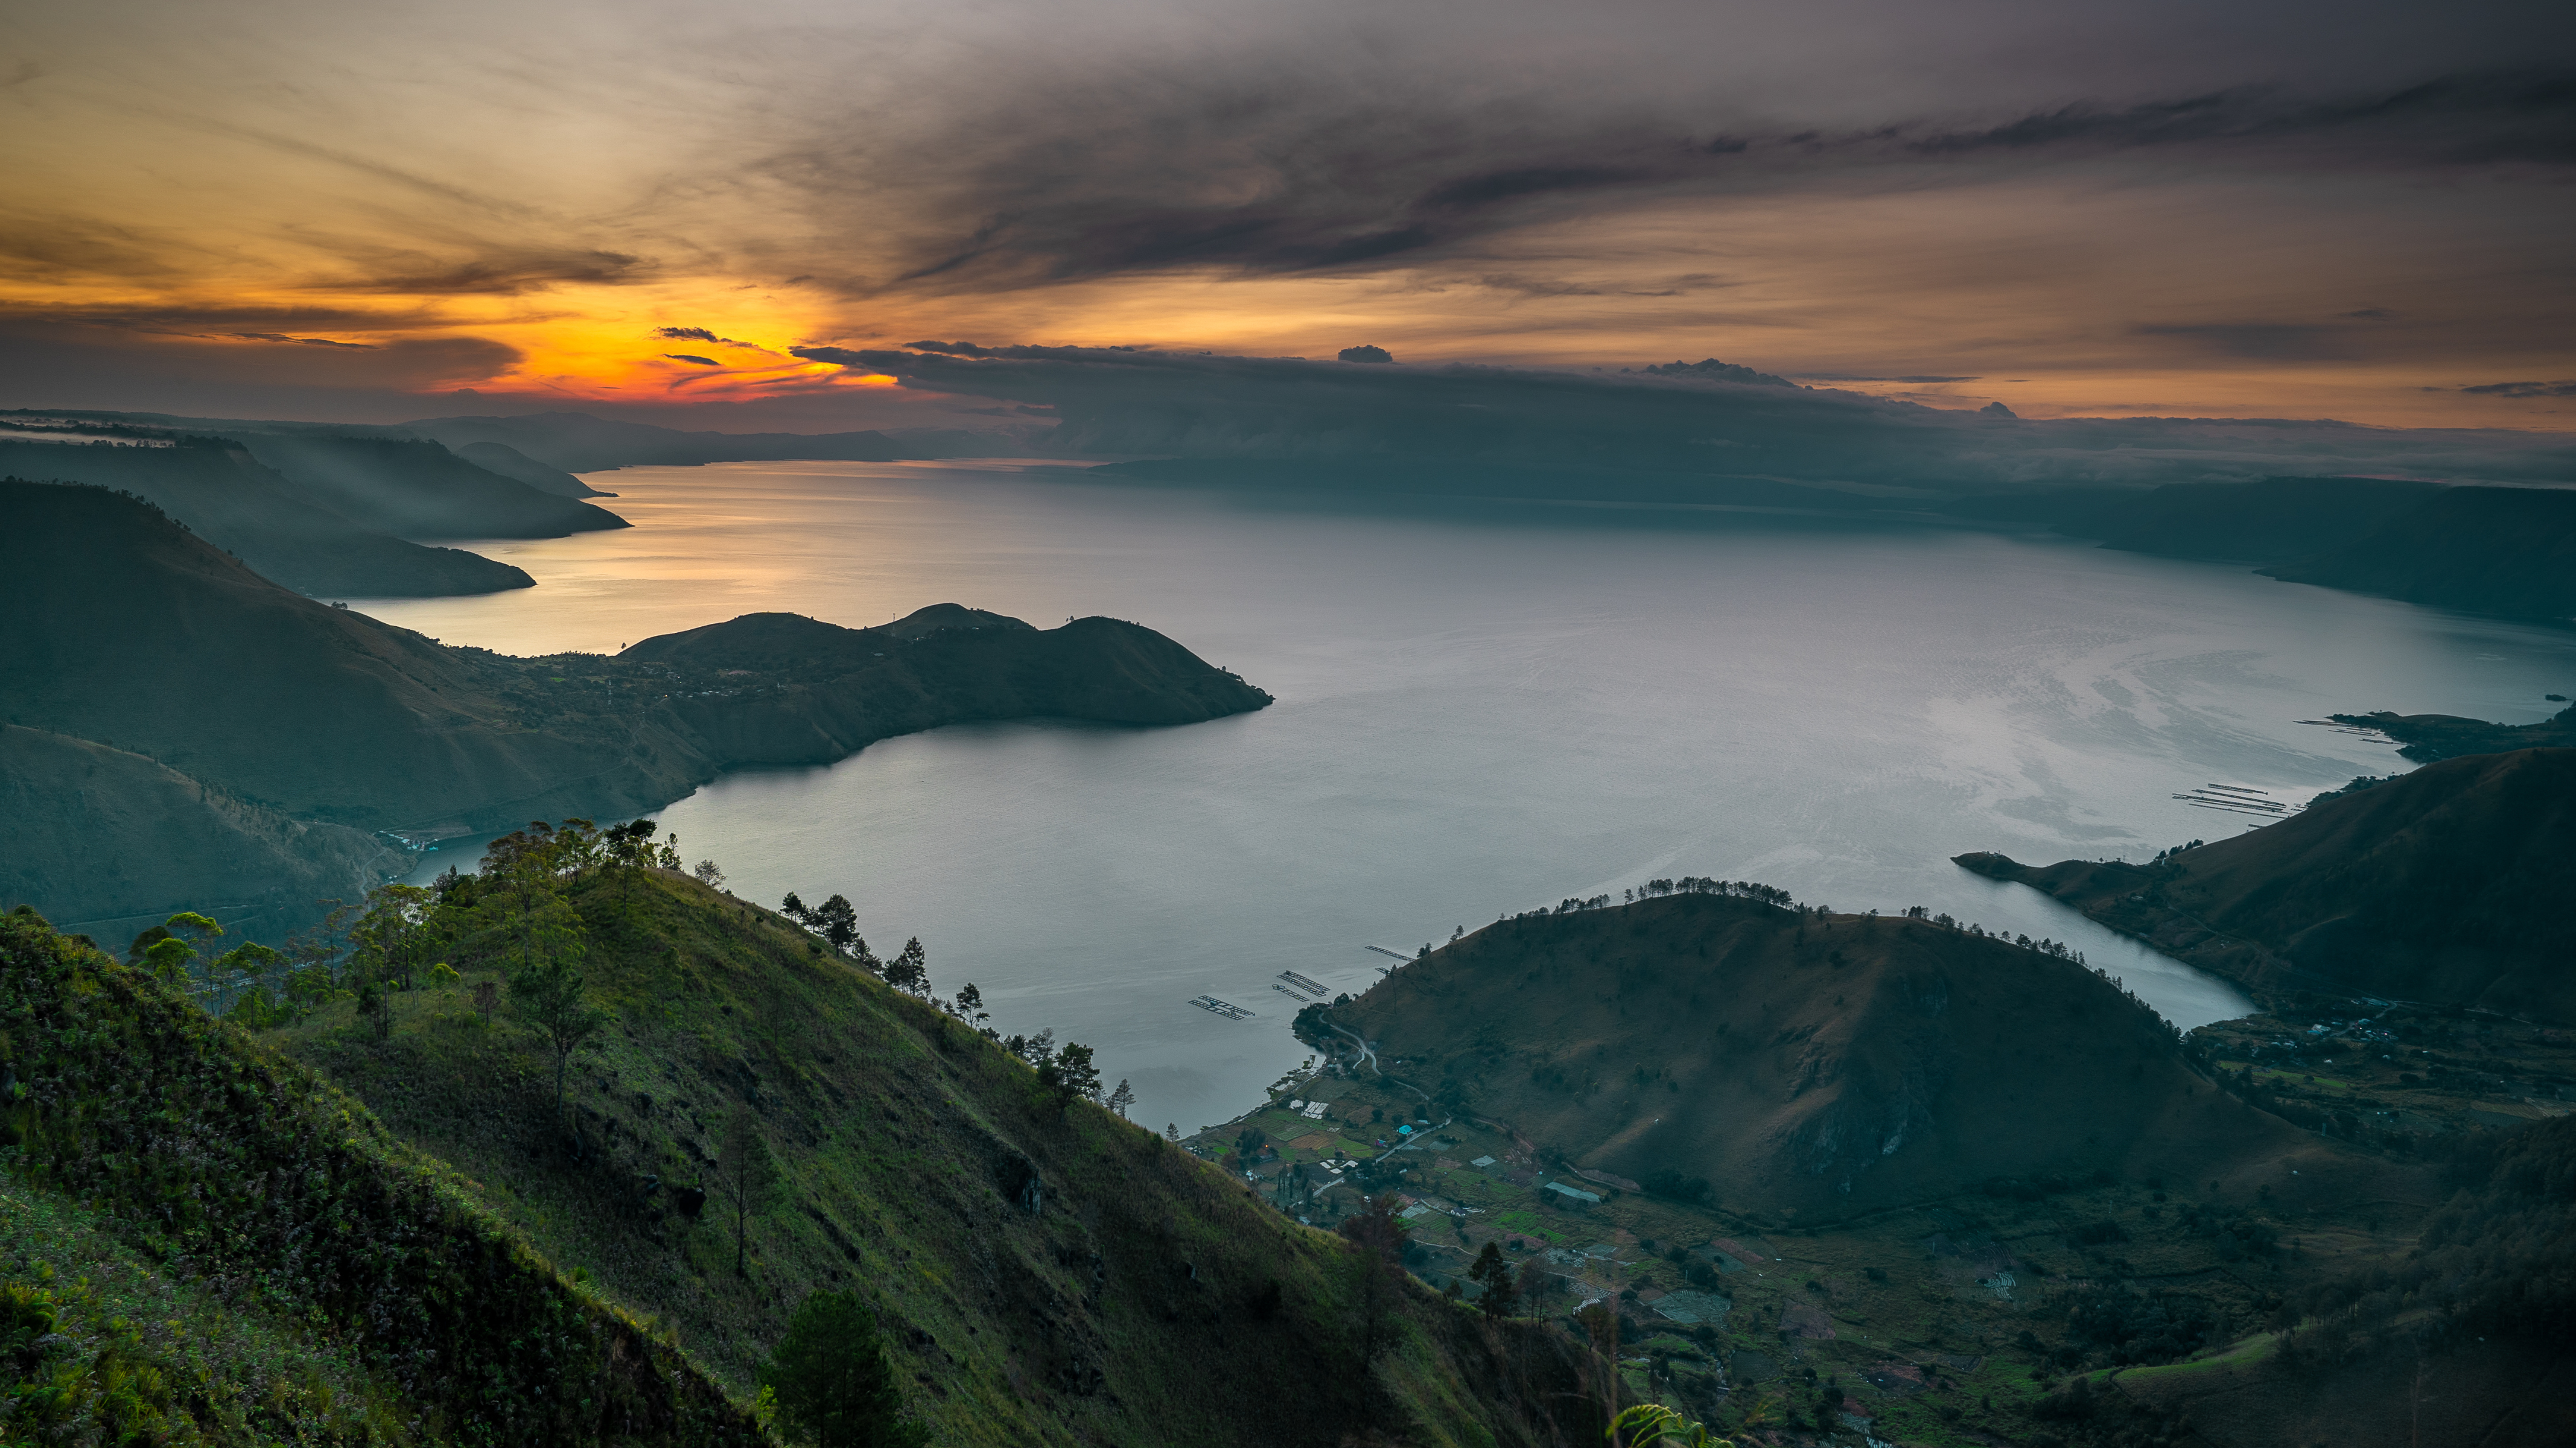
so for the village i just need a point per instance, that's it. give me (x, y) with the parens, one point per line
(1856, 1337)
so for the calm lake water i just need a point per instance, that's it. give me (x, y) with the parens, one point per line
(1481, 709)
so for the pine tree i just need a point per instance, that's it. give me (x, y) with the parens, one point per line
(747, 1172)
(909, 972)
(832, 1380)
(1494, 1275)
(548, 995)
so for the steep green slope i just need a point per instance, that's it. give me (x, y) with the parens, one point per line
(100, 835)
(228, 498)
(2509, 551)
(1047, 1273)
(1803, 1065)
(2449, 885)
(334, 1286)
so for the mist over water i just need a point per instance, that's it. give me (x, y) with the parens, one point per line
(1481, 709)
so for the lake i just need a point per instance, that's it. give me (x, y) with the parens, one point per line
(1482, 708)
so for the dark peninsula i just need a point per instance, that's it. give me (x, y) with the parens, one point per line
(130, 632)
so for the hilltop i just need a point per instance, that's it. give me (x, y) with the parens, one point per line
(1045, 1272)
(127, 630)
(1805, 1065)
(2446, 886)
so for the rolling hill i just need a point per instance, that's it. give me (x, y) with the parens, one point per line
(2446, 886)
(1815, 1066)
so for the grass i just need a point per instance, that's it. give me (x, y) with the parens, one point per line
(191, 1362)
(2240, 1354)
(312, 1277)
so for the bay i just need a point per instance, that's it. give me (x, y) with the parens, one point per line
(1481, 708)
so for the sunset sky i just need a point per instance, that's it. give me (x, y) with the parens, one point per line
(2359, 211)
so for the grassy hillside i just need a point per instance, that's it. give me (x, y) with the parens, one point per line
(234, 502)
(1806, 1065)
(2447, 886)
(306, 1276)
(101, 835)
(128, 630)
(1047, 1273)
(2509, 551)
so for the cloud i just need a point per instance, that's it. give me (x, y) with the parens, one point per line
(685, 357)
(1700, 433)
(504, 273)
(2523, 389)
(304, 341)
(1709, 369)
(1918, 379)
(2264, 341)
(701, 334)
(2454, 120)
(203, 372)
(1259, 168)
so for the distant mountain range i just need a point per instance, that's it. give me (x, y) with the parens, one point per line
(577, 442)
(2505, 551)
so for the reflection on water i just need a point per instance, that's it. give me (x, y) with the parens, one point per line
(1480, 710)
